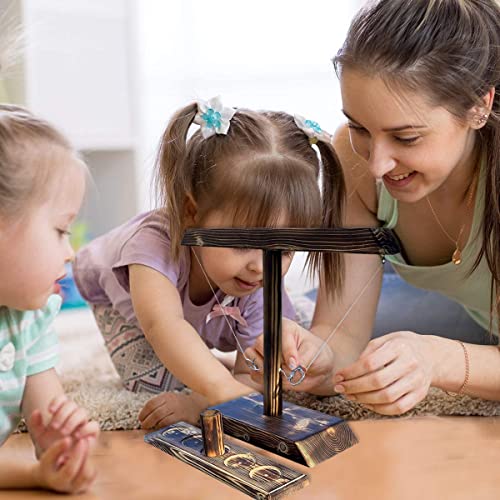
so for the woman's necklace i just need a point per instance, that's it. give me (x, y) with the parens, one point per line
(456, 258)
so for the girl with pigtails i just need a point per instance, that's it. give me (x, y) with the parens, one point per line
(421, 155)
(160, 306)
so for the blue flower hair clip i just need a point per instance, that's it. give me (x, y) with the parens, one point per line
(312, 130)
(213, 117)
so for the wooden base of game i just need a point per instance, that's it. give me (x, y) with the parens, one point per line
(299, 434)
(248, 471)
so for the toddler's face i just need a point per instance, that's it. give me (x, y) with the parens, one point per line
(237, 272)
(35, 248)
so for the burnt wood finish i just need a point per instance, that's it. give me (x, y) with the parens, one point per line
(299, 434)
(212, 432)
(273, 242)
(272, 338)
(243, 469)
(351, 240)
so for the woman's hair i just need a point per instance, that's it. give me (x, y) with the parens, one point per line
(264, 172)
(450, 51)
(30, 150)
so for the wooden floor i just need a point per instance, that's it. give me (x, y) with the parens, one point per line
(399, 459)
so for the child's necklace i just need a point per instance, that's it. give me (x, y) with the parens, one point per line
(297, 375)
(456, 258)
(250, 363)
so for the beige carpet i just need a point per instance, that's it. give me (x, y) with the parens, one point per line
(90, 379)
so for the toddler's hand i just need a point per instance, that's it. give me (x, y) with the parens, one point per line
(67, 419)
(65, 467)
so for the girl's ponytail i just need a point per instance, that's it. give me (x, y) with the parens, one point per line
(174, 173)
(331, 264)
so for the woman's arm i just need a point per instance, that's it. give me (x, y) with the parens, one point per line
(395, 371)
(158, 308)
(449, 366)
(360, 211)
(299, 346)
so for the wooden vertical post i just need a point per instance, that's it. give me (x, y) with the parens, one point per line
(212, 432)
(272, 333)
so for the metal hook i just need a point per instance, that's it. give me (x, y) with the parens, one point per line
(300, 371)
(252, 364)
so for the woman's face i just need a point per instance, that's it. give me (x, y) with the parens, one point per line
(412, 146)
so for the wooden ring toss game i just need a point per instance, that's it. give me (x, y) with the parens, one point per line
(300, 434)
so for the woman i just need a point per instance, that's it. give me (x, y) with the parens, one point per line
(421, 155)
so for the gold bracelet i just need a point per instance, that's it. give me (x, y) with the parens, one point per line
(467, 371)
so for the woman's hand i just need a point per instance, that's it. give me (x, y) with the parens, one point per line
(299, 347)
(392, 374)
(65, 467)
(67, 420)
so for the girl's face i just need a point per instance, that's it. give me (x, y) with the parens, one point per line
(413, 147)
(35, 249)
(237, 272)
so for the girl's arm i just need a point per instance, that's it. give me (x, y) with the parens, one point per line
(17, 474)
(63, 464)
(40, 390)
(243, 374)
(72, 475)
(158, 308)
(50, 415)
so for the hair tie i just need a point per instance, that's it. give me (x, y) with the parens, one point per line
(213, 117)
(312, 130)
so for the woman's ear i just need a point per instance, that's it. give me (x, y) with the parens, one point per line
(190, 210)
(478, 115)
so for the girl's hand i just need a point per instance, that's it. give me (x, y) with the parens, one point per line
(299, 346)
(170, 407)
(392, 374)
(65, 467)
(67, 419)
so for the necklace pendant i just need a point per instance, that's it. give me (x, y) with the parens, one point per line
(456, 258)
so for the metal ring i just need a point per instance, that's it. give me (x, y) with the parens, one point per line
(299, 370)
